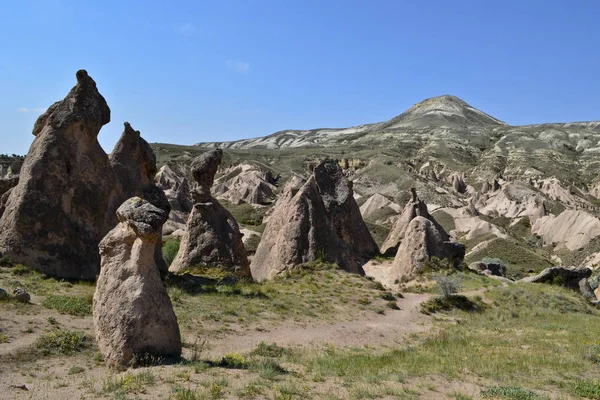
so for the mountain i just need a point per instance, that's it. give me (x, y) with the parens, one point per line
(442, 111)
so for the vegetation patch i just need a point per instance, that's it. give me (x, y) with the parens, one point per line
(170, 248)
(511, 393)
(444, 219)
(518, 258)
(78, 306)
(63, 343)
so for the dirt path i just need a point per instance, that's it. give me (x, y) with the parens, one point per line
(386, 329)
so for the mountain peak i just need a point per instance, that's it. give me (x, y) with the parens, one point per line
(445, 110)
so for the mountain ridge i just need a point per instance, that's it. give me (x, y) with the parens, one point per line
(442, 113)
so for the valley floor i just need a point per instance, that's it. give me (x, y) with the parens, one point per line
(319, 333)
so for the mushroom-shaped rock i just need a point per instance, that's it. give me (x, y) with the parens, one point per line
(133, 315)
(314, 219)
(414, 208)
(55, 216)
(213, 236)
(423, 240)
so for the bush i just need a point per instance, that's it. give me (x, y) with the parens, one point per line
(491, 260)
(512, 393)
(170, 249)
(447, 285)
(63, 342)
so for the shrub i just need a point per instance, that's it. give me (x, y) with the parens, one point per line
(20, 269)
(170, 249)
(491, 260)
(233, 360)
(447, 285)
(63, 342)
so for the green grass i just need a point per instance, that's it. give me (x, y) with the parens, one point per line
(212, 303)
(587, 388)
(531, 335)
(518, 258)
(170, 248)
(511, 393)
(63, 343)
(129, 383)
(444, 219)
(244, 213)
(78, 306)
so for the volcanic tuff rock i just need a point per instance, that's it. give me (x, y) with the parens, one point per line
(314, 220)
(245, 183)
(134, 166)
(213, 236)
(414, 208)
(171, 178)
(133, 315)
(54, 217)
(423, 240)
(69, 189)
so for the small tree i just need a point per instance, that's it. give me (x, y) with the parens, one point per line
(447, 285)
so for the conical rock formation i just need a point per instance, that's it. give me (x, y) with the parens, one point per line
(213, 236)
(54, 217)
(133, 315)
(422, 240)
(414, 208)
(316, 219)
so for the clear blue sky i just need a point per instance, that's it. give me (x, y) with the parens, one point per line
(191, 71)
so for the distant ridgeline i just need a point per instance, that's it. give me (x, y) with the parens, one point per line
(13, 161)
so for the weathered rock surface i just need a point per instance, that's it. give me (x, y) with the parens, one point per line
(133, 315)
(21, 295)
(213, 236)
(567, 276)
(316, 219)
(133, 164)
(423, 240)
(495, 269)
(246, 183)
(414, 208)
(171, 178)
(69, 189)
(54, 217)
(572, 229)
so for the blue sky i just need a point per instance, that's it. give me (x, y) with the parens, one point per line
(191, 71)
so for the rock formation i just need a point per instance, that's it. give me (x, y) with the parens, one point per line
(133, 164)
(171, 178)
(422, 240)
(412, 209)
(314, 220)
(246, 183)
(69, 189)
(133, 315)
(54, 217)
(567, 276)
(213, 236)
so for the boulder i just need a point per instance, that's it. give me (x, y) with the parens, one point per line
(213, 237)
(21, 295)
(317, 219)
(423, 240)
(3, 294)
(55, 216)
(414, 208)
(133, 315)
(566, 276)
(495, 269)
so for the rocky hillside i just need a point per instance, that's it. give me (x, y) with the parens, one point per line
(525, 194)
